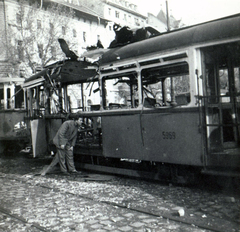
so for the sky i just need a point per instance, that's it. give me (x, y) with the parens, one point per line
(191, 11)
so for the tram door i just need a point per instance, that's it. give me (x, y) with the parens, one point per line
(221, 78)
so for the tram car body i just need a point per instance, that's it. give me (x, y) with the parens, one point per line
(169, 103)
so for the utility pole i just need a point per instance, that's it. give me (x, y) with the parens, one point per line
(167, 16)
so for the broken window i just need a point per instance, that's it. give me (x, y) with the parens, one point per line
(83, 97)
(19, 97)
(120, 92)
(166, 85)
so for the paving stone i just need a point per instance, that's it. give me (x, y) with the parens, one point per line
(128, 215)
(137, 224)
(106, 222)
(150, 220)
(100, 230)
(97, 226)
(117, 219)
(91, 222)
(115, 230)
(109, 227)
(125, 228)
(58, 211)
(143, 216)
(103, 218)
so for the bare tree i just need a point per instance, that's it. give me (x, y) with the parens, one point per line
(32, 38)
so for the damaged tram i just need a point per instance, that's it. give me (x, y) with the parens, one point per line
(168, 104)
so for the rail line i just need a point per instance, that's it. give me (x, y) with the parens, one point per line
(190, 222)
(21, 219)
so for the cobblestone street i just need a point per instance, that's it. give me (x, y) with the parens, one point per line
(94, 202)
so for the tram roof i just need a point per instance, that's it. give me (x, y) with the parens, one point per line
(71, 72)
(223, 28)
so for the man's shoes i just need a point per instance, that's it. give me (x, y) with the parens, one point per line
(65, 173)
(75, 172)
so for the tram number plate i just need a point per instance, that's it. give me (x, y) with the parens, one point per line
(168, 135)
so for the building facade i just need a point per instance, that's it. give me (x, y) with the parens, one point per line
(123, 13)
(156, 23)
(29, 39)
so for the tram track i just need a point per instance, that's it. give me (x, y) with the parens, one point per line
(22, 220)
(181, 220)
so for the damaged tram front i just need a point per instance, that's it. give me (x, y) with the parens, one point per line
(58, 93)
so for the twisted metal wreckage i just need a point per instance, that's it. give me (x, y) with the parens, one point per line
(82, 69)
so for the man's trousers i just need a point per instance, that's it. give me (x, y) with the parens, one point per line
(65, 159)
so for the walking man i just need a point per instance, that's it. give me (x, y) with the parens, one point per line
(65, 140)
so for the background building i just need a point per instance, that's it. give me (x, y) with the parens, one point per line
(31, 28)
(29, 39)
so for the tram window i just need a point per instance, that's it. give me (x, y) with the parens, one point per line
(120, 92)
(224, 85)
(222, 73)
(75, 97)
(222, 80)
(8, 98)
(54, 103)
(166, 85)
(1, 98)
(237, 82)
(19, 97)
(43, 101)
(84, 97)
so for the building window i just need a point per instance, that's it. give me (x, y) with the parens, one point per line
(84, 36)
(51, 26)
(18, 18)
(22, 72)
(53, 51)
(125, 17)
(117, 14)
(63, 30)
(39, 24)
(109, 11)
(40, 50)
(74, 33)
(20, 49)
(136, 22)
